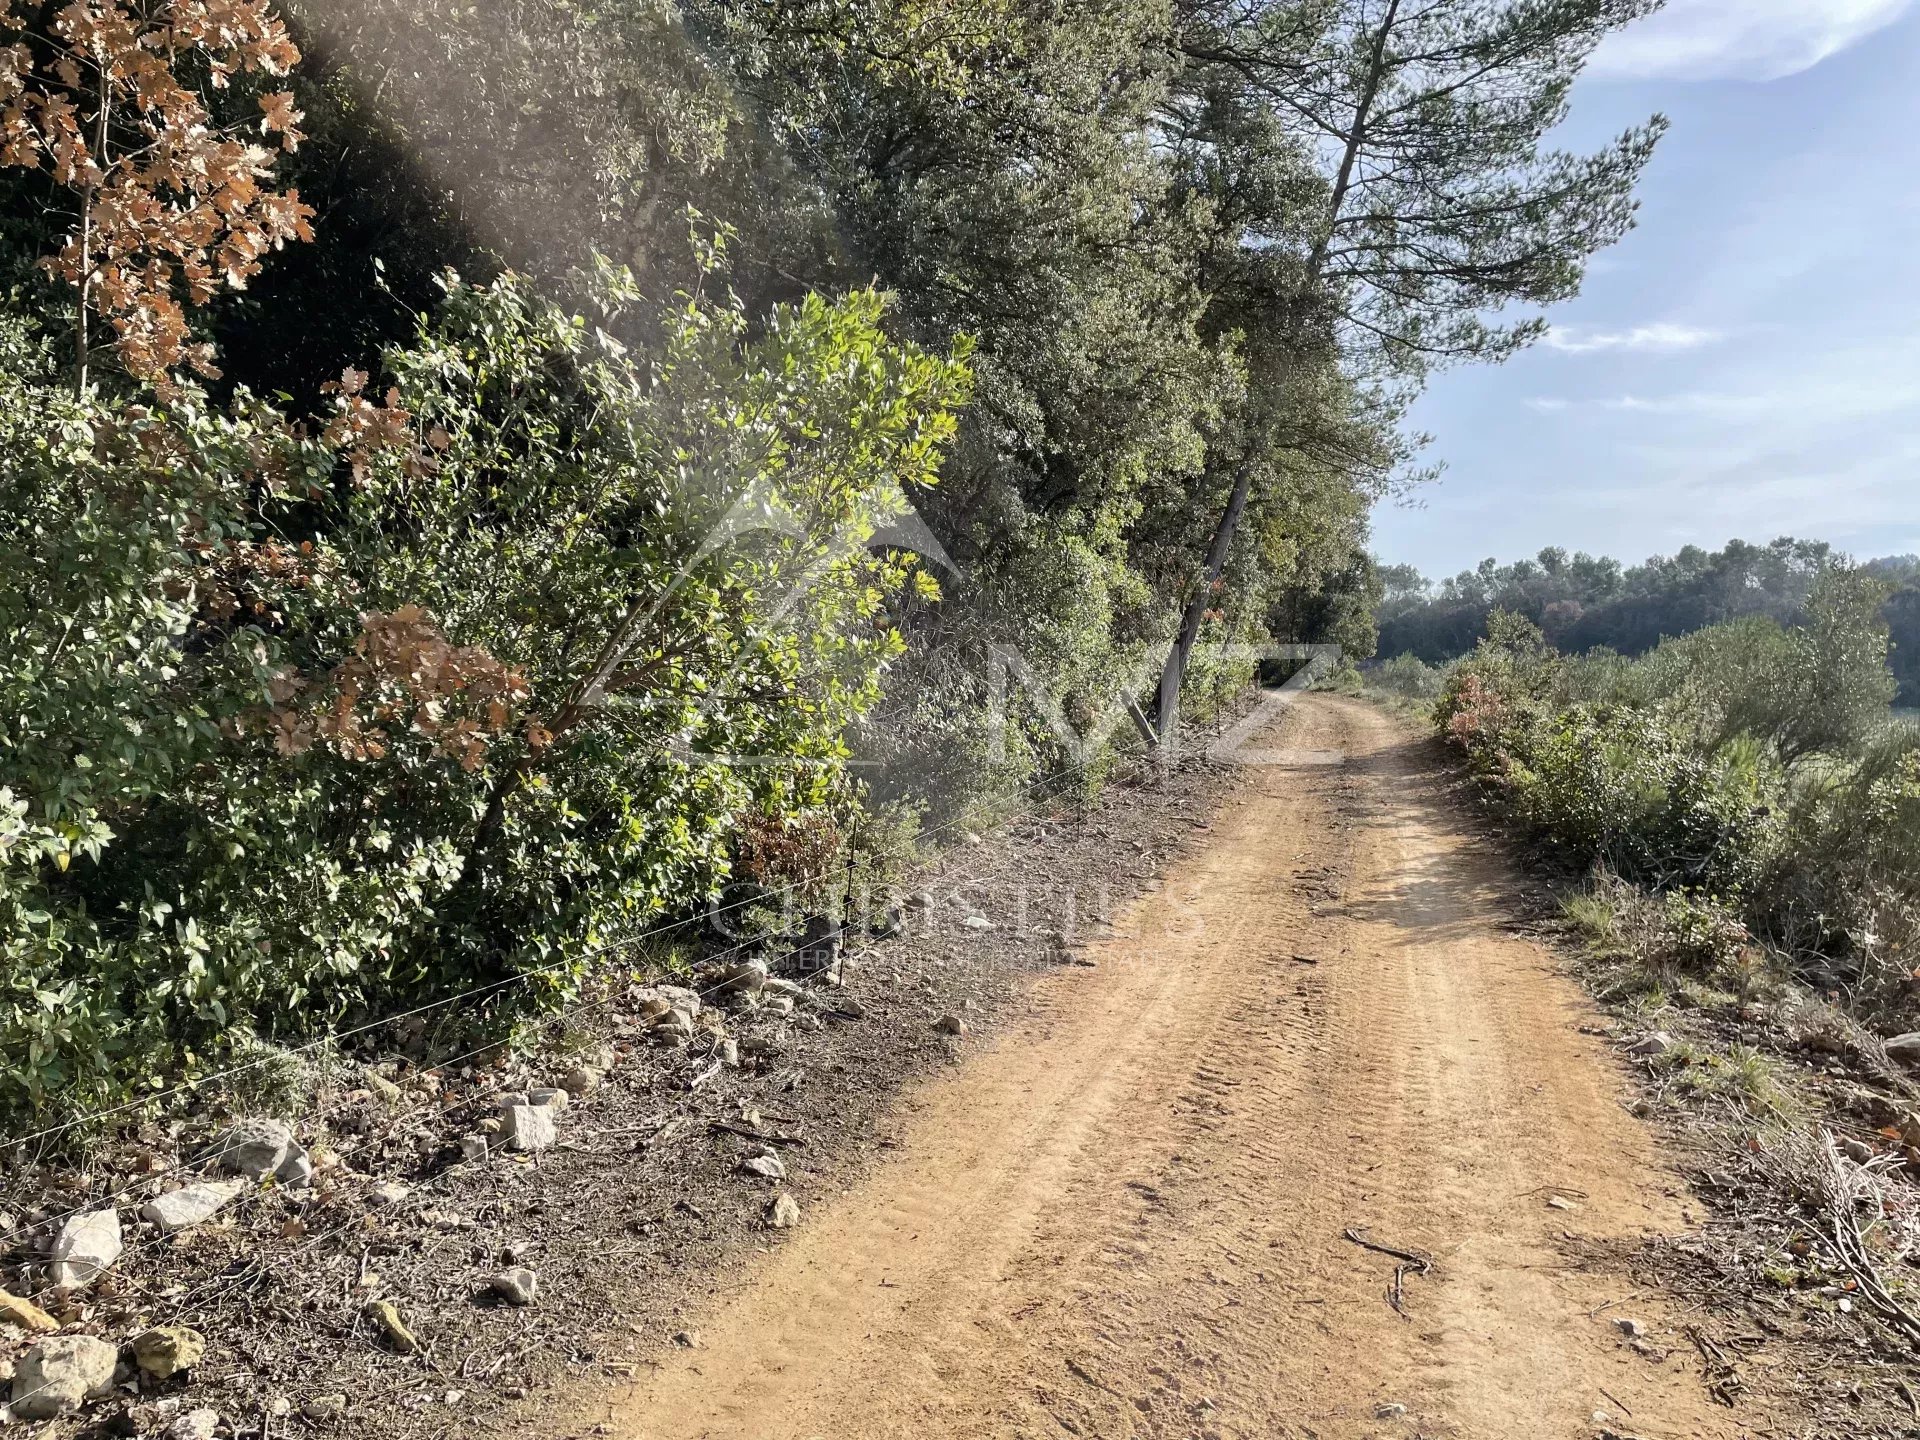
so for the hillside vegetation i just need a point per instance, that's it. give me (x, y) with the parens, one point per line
(1583, 602)
(475, 479)
(1748, 783)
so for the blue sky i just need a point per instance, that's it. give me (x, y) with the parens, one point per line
(1747, 362)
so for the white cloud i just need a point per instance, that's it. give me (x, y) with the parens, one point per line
(1659, 338)
(1740, 39)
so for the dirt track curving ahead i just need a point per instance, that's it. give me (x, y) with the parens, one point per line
(1128, 1214)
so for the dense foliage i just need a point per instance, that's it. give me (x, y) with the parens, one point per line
(1751, 773)
(508, 418)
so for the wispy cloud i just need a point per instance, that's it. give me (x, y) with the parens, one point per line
(1689, 403)
(1657, 338)
(1741, 39)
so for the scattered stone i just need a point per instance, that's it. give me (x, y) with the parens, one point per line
(920, 900)
(507, 1099)
(26, 1315)
(768, 1167)
(529, 1128)
(893, 922)
(61, 1374)
(296, 1171)
(673, 1027)
(730, 1054)
(1389, 1411)
(548, 1097)
(473, 1147)
(780, 1005)
(518, 1286)
(581, 1081)
(977, 922)
(1905, 1048)
(388, 1092)
(489, 1126)
(388, 1192)
(950, 1025)
(86, 1248)
(1650, 1047)
(746, 978)
(253, 1148)
(1632, 1329)
(325, 1407)
(1857, 1152)
(194, 1425)
(687, 1339)
(686, 1001)
(165, 1352)
(384, 1314)
(1560, 1202)
(784, 1212)
(191, 1205)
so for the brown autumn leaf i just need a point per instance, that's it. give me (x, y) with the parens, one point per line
(178, 206)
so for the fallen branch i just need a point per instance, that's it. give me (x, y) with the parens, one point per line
(1412, 1262)
(771, 1137)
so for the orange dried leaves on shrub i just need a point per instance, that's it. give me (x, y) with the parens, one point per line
(170, 204)
(403, 674)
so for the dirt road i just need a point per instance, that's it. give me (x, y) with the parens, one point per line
(1127, 1215)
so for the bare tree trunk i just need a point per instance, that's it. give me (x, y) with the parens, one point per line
(1167, 710)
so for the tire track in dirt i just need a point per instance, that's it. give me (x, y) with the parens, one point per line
(1125, 1216)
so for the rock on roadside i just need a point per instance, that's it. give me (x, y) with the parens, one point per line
(165, 1352)
(784, 1212)
(60, 1375)
(529, 1128)
(518, 1286)
(259, 1149)
(86, 1248)
(191, 1205)
(198, 1424)
(25, 1315)
(767, 1167)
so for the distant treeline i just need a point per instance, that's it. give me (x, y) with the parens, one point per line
(1583, 602)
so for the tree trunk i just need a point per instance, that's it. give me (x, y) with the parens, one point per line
(1167, 711)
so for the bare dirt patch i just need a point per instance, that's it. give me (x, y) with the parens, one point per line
(1320, 1147)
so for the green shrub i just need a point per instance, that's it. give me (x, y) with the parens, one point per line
(293, 729)
(1407, 676)
(1749, 774)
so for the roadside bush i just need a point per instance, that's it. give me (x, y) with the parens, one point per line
(299, 727)
(1407, 676)
(1751, 775)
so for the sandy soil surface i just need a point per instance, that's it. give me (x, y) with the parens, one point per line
(1136, 1211)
